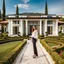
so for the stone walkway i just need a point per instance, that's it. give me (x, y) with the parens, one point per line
(26, 55)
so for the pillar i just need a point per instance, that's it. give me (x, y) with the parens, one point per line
(21, 28)
(45, 27)
(0, 28)
(10, 28)
(26, 27)
(40, 27)
(56, 27)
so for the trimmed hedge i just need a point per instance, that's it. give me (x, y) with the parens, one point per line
(9, 58)
(55, 56)
(10, 39)
(54, 37)
(41, 37)
(61, 34)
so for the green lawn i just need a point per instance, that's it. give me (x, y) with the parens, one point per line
(7, 47)
(52, 44)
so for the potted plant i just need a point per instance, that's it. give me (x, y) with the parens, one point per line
(46, 33)
(18, 33)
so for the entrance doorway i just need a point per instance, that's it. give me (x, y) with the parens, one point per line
(30, 30)
(15, 30)
(49, 29)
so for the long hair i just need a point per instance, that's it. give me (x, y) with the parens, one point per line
(33, 29)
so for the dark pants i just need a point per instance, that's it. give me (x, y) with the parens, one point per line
(34, 46)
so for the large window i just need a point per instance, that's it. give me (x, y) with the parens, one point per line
(49, 22)
(15, 22)
(49, 29)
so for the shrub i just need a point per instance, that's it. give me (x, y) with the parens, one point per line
(63, 55)
(61, 34)
(41, 36)
(10, 39)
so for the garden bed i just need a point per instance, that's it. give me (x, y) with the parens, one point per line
(53, 53)
(12, 39)
(60, 51)
(9, 51)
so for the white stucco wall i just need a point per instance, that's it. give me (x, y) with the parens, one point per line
(27, 28)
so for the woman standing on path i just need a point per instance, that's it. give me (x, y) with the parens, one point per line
(34, 40)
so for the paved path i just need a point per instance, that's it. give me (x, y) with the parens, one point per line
(26, 56)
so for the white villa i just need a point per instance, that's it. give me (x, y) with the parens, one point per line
(23, 24)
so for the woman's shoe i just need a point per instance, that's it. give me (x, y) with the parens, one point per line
(34, 56)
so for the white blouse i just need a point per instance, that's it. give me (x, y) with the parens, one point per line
(35, 34)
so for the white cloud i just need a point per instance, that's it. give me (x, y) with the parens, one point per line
(26, 1)
(24, 6)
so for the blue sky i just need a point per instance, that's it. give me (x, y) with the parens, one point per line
(54, 6)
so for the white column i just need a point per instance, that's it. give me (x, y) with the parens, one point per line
(54, 24)
(7, 28)
(56, 27)
(10, 28)
(0, 28)
(26, 27)
(40, 27)
(21, 28)
(45, 27)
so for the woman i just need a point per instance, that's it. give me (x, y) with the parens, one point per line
(34, 40)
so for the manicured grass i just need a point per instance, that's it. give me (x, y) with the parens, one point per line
(7, 47)
(52, 44)
(56, 57)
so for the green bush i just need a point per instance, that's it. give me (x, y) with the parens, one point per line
(10, 39)
(54, 37)
(9, 58)
(41, 36)
(63, 55)
(61, 34)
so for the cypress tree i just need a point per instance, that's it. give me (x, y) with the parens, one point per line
(0, 14)
(17, 11)
(46, 8)
(3, 10)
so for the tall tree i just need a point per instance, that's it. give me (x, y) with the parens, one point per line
(46, 8)
(0, 14)
(3, 10)
(17, 11)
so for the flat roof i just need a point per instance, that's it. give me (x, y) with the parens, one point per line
(33, 16)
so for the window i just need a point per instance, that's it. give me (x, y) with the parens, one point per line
(15, 22)
(49, 22)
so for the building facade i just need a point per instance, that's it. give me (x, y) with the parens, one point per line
(23, 24)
